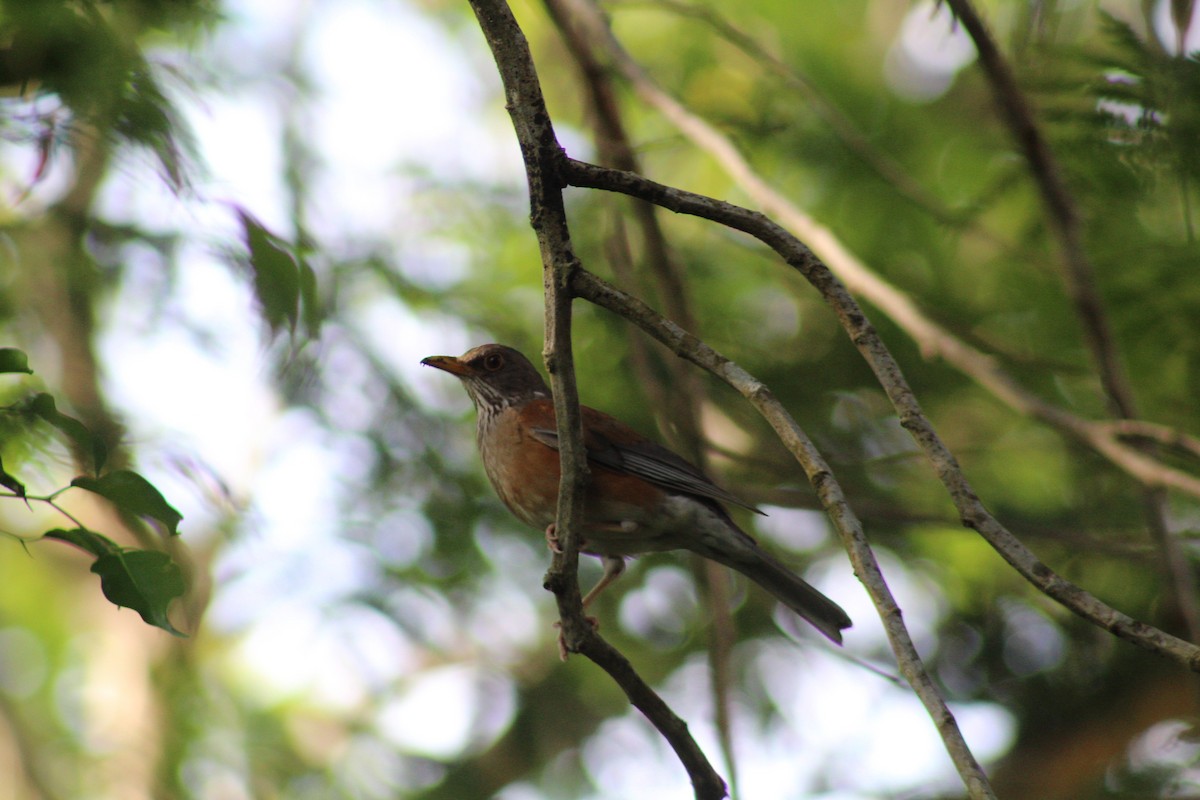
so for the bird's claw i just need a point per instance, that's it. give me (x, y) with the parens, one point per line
(563, 652)
(552, 540)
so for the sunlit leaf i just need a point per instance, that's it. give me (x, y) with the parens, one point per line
(130, 492)
(10, 482)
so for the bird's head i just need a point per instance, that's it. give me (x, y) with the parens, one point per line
(495, 375)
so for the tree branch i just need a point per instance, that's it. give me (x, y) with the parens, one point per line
(543, 155)
(971, 510)
(829, 491)
(679, 406)
(1160, 434)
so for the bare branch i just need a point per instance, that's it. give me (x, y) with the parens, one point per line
(679, 407)
(542, 155)
(828, 491)
(706, 783)
(539, 148)
(1164, 435)
(971, 510)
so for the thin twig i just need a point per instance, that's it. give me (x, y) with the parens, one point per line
(971, 510)
(832, 499)
(543, 155)
(1079, 272)
(1161, 434)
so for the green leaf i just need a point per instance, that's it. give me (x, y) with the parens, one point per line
(131, 492)
(308, 299)
(14, 360)
(144, 580)
(86, 540)
(11, 483)
(276, 274)
(44, 407)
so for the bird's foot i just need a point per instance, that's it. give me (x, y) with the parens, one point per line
(563, 652)
(552, 540)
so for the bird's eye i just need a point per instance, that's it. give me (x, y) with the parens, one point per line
(493, 362)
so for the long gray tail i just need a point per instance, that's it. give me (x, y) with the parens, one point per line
(787, 587)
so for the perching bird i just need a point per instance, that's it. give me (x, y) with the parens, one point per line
(642, 497)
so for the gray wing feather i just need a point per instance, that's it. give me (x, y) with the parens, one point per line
(653, 463)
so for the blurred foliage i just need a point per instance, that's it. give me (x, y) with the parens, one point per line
(88, 57)
(452, 584)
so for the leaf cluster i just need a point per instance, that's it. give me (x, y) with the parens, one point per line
(144, 580)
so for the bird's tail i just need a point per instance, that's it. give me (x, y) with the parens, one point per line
(788, 588)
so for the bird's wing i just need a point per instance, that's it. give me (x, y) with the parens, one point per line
(610, 444)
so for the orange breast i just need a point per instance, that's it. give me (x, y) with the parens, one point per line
(525, 474)
(523, 471)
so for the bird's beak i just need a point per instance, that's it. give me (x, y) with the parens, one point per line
(447, 364)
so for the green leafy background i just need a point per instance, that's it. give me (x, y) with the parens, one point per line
(225, 246)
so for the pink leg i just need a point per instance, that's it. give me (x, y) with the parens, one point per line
(613, 567)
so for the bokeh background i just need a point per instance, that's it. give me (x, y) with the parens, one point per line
(364, 619)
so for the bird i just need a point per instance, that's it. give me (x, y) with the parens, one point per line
(641, 497)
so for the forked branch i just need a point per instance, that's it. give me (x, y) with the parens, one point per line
(887, 371)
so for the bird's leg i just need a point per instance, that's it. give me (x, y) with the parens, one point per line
(613, 567)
